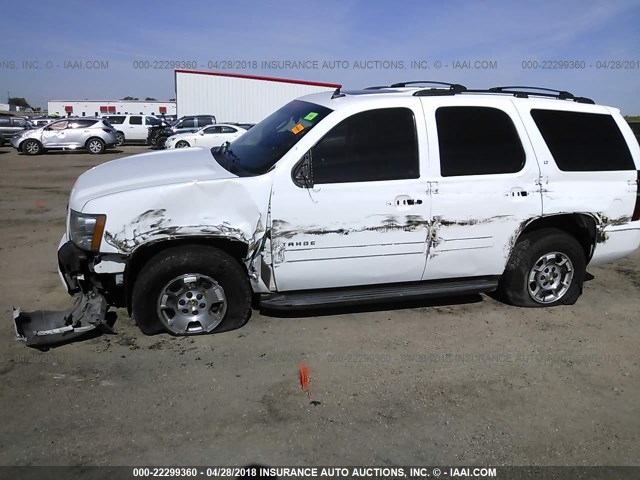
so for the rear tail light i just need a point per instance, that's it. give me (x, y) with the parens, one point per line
(108, 130)
(636, 211)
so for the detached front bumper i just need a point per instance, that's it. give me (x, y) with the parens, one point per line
(45, 327)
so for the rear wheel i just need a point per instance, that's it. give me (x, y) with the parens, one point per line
(32, 147)
(95, 146)
(191, 290)
(119, 138)
(546, 268)
(182, 144)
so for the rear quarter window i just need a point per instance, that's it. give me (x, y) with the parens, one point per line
(583, 142)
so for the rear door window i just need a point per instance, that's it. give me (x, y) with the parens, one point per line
(477, 141)
(82, 123)
(583, 142)
(135, 120)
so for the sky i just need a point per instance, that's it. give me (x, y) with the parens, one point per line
(76, 50)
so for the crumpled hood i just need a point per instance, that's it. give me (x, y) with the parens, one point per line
(146, 170)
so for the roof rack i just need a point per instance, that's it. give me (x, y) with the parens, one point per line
(453, 87)
(337, 94)
(520, 91)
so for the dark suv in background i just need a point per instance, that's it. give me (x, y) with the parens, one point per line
(9, 126)
(158, 135)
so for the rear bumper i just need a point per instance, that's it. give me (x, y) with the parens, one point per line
(616, 242)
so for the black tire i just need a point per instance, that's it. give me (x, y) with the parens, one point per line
(182, 144)
(514, 287)
(1, 141)
(160, 142)
(95, 146)
(119, 138)
(193, 259)
(32, 147)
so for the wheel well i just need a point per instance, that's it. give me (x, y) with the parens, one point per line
(143, 254)
(21, 144)
(580, 226)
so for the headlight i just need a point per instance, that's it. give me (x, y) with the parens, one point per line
(86, 230)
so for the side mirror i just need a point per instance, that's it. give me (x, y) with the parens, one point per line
(301, 173)
(201, 132)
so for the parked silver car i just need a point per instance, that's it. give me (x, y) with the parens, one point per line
(9, 126)
(94, 134)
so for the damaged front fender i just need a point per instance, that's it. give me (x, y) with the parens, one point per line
(45, 327)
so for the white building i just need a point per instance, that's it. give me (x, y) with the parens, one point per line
(238, 98)
(94, 108)
(4, 107)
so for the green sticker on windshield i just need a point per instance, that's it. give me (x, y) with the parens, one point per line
(310, 116)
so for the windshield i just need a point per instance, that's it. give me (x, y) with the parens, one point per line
(258, 149)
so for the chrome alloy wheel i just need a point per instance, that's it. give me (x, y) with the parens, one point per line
(95, 146)
(192, 303)
(550, 277)
(32, 148)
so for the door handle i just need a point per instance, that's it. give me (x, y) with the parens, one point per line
(405, 201)
(517, 192)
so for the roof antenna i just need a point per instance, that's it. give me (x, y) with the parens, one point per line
(337, 94)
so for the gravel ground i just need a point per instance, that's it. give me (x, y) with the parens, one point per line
(462, 381)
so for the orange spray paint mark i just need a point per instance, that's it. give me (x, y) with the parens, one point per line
(303, 368)
(40, 204)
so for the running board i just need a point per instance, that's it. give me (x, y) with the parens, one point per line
(377, 293)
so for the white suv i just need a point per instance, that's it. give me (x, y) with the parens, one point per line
(351, 197)
(132, 127)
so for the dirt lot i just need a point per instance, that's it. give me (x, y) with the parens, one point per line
(465, 381)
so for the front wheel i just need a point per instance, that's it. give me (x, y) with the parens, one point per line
(182, 144)
(160, 142)
(546, 268)
(32, 147)
(119, 139)
(191, 290)
(95, 146)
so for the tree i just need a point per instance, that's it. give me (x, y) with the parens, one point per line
(150, 99)
(19, 102)
(172, 99)
(130, 98)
